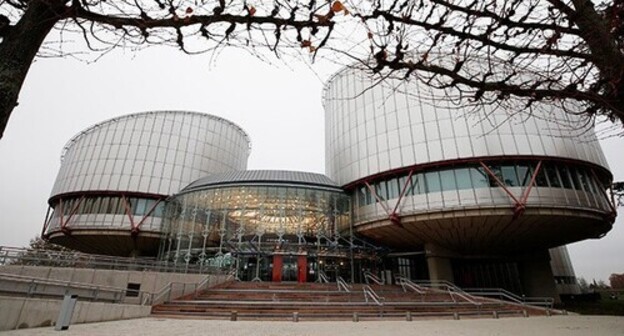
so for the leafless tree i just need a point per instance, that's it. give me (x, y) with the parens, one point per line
(192, 25)
(517, 54)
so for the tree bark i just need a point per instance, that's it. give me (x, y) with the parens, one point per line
(19, 46)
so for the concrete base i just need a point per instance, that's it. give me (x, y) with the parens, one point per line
(20, 313)
(439, 263)
(537, 276)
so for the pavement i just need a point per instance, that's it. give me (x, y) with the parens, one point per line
(553, 326)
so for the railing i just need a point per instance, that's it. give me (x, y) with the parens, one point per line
(168, 292)
(322, 277)
(12, 284)
(342, 284)
(368, 276)
(370, 293)
(450, 288)
(503, 294)
(407, 283)
(28, 257)
(41, 287)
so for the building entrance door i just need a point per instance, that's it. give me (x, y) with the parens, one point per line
(289, 268)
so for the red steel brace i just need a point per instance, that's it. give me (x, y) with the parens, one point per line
(520, 204)
(64, 223)
(136, 228)
(392, 216)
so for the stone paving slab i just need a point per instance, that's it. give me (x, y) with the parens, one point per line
(552, 326)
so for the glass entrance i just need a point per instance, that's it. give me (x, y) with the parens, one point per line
(289, 268)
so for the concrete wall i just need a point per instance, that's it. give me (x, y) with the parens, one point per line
(151, 282)
(19, 312)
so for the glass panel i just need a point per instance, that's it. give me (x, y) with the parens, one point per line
(565, 177)
(362, 196)
(462, 177)
(447, 178)
(104, 205)
(575, 179)
(509, 176)
(524, 174)
(433, 181)
(141, 204)
(418, 184)
(393, 188)
(552, 175)
(583, 179)
(381, 190)
(540, 179)
(496, 170)
(479, 178)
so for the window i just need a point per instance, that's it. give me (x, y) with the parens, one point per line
(447, 177)
(462, 177)
(565, 177)
(393, 188)
(540, 179)
(553, 177)
(524, 175)
(418, 184)
(479, 177)
(509, 176)
(433, 181)
(381, 190)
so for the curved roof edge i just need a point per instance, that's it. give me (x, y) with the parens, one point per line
(264, 177)
(87, 130)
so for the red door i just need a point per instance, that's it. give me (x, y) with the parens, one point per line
(302, 264)
(277, 268)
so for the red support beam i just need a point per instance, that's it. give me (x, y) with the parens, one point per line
(46, 222)
(382, 202)
(136, 228)
(527, 192)
(128, 210)
(498, 181)
(64, 227)
(408, 182)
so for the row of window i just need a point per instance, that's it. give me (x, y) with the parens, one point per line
(553, 175)
(110, 205)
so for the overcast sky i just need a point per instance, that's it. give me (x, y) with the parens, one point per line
(278, 106)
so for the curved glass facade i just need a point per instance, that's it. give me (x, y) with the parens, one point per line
(254, 223)
(568, 185)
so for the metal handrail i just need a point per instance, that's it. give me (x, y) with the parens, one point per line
(97, 290)
(322, 277)
(342, 284)
(372, 277)
(28, 257)
(369, 292)
(405, 282)
(502, 293)
(450, 288)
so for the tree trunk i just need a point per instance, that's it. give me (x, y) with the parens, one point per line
(19, 47)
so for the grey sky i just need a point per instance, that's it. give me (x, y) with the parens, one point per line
(280, 108)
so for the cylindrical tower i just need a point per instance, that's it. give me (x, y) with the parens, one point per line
(426, 175)
(109, 194)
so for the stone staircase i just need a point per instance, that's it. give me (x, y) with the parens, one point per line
(314, 301)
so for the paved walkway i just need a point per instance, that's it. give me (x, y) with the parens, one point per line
(551, 326)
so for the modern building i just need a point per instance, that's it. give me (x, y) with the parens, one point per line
(472, 197)
(109, 194)
(273, 225)
(415, 186)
